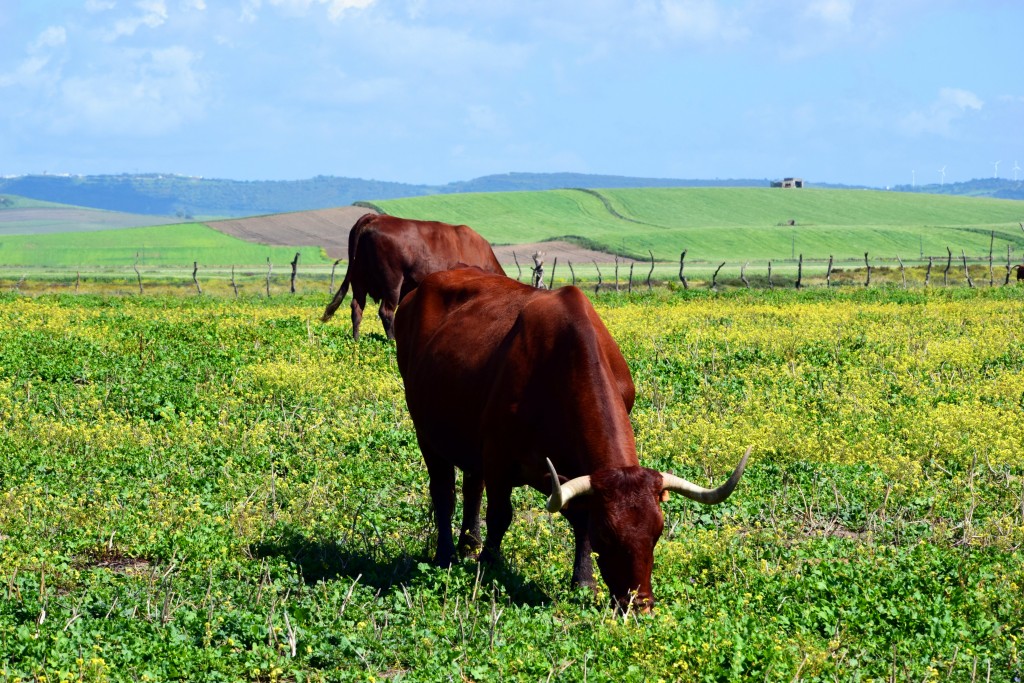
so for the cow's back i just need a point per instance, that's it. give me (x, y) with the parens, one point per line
(397, 253)
(487, 360)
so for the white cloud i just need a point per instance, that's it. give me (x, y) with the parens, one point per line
(938, 118)
(53, 36)
(27, 72)
(99, 5)
(335, 8)
(150, 92)
(31, 71)
(153, 14)
(250, 10)
(834, 12)
(702, 21)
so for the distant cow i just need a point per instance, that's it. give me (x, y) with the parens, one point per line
(388, 257)
(517, 386)
(1020, 272)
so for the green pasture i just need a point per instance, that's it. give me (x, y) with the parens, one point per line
(211, 489)
(170, 245)
(735, 224)
(714, 225)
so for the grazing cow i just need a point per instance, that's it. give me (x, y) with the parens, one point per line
(1020, 272)
(388, 257)
(517, 386)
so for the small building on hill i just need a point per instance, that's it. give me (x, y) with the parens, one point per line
(789, 183)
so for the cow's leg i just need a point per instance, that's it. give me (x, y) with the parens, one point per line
(583, 564)
(442, 493)
(358, 304)
(472, 492)
(499, 518)
(387, 317)
(388, 304)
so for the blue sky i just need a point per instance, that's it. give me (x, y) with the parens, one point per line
(874, 92)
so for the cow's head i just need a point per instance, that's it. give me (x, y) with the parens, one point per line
(626, 521)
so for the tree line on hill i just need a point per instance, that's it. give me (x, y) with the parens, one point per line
(996, 188)
(185, 196)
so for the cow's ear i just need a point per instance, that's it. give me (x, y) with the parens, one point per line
(664, 496)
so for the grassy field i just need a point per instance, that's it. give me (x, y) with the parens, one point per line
(735, 224)
(171, 245)
(215, 489)
(23, 216)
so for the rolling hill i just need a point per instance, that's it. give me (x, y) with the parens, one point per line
(735, 224)
(714, 225)
(185, 197)
(22, 216)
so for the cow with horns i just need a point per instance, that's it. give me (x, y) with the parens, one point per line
(521, 387)
(388, 257)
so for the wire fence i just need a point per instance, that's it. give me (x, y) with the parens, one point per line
(614, 274)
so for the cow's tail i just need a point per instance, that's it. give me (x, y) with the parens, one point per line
(353, 244)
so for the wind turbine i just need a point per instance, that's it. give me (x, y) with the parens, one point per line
(943, 172)
(996, 164)
(913, 178)
(1016, 168)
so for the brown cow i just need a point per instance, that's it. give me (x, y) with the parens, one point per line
(388, 257)
(508, 383)
(1020, 272)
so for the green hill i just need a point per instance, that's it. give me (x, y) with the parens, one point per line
(184, 197)
(171, 245)
(714, 224)
(734, 224)
(24, 216)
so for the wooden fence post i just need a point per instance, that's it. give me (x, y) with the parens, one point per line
(828, 273)
(867, 264)
(270, 269)
(682, 278)
(538, 270)
(519, 268)
(233, 285)
(949, 262)
(714, 278)
(597, 287)
(928, 273)
(295, 270)
(651, 271)
(743, 275)
(1007, 282)
(573, 274)
(616, 273)
(967, 273)
(195, 269)
(903, 271)
(991, 274)
(629, 287)
(800, 272)
(771, 285)
(138, 275)
(554, 265)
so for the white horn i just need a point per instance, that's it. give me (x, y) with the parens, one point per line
(561, 494)
(699, 493)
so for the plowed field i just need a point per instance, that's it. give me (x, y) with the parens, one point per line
(328, 228)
